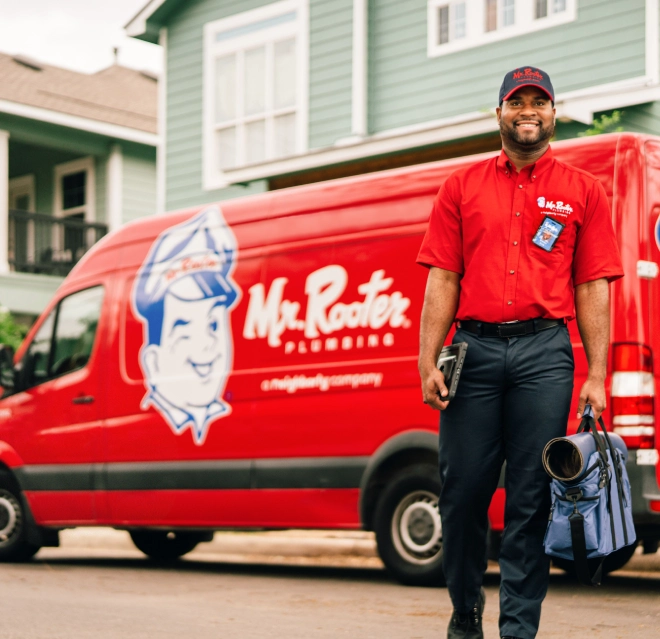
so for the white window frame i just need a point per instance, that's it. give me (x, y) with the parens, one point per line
(76, 166)
(89, 208)
(23, 185)
(212, 176)
(477, 36)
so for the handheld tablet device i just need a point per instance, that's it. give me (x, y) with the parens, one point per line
(450, 363)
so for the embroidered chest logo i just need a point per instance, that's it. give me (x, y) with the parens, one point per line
(549, 207)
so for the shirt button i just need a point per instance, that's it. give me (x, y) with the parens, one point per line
(515, 243)
(512, 272)
(517, 213)
(533, 177)
(509, 302)
(520, 186)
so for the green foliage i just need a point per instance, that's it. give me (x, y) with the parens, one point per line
(604, 124)
(11, 333)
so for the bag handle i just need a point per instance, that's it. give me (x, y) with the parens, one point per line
(588, 423)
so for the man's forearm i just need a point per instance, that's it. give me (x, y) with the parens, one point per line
(438, 313)
(593, 317)
(592, 306)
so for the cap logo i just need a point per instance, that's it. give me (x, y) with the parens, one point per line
(527, 75)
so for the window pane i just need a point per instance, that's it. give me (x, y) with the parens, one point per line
(227, 148)
(541, 9)
(285, 73)
(491, 15)
(73, 190)
(459, 20)
(76, 328)
(558, 6)
(225, 88)
(285, 135)
(508, 12)
(443, 25)
(255, 81)
(255, 142)
(36, 360)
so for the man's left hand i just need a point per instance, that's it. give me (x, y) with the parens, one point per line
(593, 392)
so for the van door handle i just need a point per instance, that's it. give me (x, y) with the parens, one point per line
(83, 399)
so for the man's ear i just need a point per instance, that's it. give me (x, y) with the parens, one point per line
(498, 113)
(150, 360)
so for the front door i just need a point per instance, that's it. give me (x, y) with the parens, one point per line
(55, 418)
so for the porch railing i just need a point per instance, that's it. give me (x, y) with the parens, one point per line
(49, 245)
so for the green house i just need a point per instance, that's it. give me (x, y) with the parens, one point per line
(261, 95)
(77, 159)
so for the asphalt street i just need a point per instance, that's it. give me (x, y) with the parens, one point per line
(102, 588)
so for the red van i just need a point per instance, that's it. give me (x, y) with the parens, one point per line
(253, 364)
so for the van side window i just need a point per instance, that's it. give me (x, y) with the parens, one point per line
(64, 342)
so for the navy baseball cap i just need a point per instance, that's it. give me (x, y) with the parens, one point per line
(526, 77)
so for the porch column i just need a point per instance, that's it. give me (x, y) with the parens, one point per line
(114, 179)
(4, 202)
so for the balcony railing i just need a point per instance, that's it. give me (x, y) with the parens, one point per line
(49, 245)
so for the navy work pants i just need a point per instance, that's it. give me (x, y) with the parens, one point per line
(513, 396)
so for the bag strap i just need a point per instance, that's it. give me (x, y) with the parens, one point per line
(576, 519)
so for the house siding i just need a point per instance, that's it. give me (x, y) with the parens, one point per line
(605, 44)
(330, 71)
(138, 182)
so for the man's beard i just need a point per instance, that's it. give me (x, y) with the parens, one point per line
(512, 134)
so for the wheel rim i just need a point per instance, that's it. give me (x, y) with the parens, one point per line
(10, 517)
(417, 529)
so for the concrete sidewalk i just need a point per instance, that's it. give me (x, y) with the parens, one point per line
(319, 547)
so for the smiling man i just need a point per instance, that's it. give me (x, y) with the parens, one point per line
(184, 293)
(517, 246)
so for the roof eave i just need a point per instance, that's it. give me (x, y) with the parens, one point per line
(142, 26)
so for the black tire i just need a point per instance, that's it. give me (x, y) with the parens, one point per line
(617, 560)
(164, 545)
(13, 527)
(408, 527)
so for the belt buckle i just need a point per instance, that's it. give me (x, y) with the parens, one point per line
(509, 330)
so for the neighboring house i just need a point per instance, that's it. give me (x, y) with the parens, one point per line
(77, 158)
(258, 95)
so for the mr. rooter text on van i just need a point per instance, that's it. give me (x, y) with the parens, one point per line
(269, 316)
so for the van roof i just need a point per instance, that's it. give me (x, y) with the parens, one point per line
(335, 194)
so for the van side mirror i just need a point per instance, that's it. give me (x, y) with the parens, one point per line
(7, 370)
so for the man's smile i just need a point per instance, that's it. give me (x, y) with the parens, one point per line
(203, 369)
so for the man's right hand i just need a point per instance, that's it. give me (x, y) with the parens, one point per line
(433, 389)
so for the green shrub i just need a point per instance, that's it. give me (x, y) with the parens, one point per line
(11, 332)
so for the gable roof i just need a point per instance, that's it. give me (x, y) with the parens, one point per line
(115, 95)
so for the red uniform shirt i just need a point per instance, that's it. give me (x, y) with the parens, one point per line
(482, 225)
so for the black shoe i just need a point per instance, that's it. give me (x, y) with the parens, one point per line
(468, 626)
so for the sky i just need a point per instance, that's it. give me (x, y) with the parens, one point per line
(75, 34)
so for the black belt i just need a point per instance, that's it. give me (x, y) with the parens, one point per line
(511, 329)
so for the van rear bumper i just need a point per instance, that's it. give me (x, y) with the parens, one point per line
(645, 489)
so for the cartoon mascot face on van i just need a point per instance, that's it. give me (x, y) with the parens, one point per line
(184, 294)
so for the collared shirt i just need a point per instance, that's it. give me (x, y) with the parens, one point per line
(180, 419)
(484, 219)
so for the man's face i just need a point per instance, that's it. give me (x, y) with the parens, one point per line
(190, 366)
(527, 118)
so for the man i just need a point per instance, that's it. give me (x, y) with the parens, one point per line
(517, 245)
(184, 293)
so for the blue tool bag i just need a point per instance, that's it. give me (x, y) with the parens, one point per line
(591, 512)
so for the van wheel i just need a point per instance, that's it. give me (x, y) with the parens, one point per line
(164, 545)
(617, 560)
(408, 527)
(13, 530)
